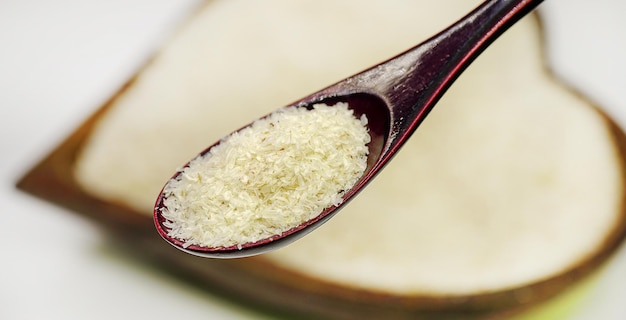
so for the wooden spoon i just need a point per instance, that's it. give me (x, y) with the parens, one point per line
(396, 96)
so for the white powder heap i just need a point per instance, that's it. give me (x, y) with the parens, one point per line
(268, 178)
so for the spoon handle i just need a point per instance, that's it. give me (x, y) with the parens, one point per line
(420, 76)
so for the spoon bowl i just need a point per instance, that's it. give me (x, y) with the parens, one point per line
(395, 96)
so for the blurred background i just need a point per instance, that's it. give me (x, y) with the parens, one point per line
(60, 60)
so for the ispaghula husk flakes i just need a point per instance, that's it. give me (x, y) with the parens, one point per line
(268, 178)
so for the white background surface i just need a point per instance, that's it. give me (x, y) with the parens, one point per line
(59, 60)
